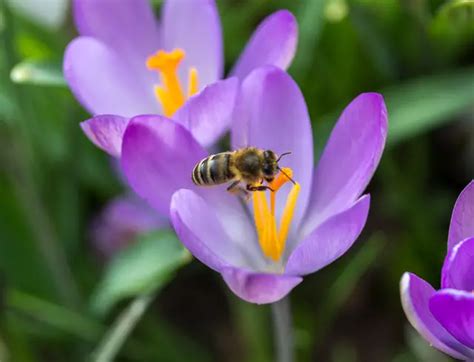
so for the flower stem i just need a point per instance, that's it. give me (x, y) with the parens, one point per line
(283, 330)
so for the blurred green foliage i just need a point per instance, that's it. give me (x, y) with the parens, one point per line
(418, 53)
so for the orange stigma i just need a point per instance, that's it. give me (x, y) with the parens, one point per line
(272, 240)
(170, 93)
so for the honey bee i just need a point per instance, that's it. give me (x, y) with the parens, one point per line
(249, 165)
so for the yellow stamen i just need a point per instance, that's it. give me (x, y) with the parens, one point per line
(287, 216)
(192, 82)
(170, 93)
(272, 242)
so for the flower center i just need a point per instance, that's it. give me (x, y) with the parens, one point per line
(272, 239)
(170, 93)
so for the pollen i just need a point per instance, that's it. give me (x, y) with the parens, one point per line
(272, 238)
(170, 93)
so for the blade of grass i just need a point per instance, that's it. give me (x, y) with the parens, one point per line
(116, 336)
(54, 315)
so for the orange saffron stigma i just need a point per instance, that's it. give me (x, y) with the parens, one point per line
(170, 93)
(272, 240)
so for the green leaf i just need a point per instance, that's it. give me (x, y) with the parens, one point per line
(53, 315)
(38, 73)
(143, 267)
(116, 336)
(428, 102)
(456, 13)
(414, 107)
(452, 28)
(311, 21)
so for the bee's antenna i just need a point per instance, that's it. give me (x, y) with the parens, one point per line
(287, 176)
(283, 154)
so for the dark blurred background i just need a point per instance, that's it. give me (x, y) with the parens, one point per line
(53, 183)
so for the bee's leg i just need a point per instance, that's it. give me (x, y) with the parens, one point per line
(258, 188)
(232, 187)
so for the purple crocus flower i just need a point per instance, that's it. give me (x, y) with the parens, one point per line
(323, 213)
(445, 318)
(125, 63)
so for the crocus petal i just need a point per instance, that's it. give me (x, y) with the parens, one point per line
(273, 43)
(462, 219)
(349, 159)
(454, 309)
(458, 268)
(103, 82)
(415, 295)
(158, 156)
(127, 26)
(271, 114)
(330, 240)
(259, 288)
(207, 115)
(106, 132)
(195, 27)
(121, 220)
(201, 231)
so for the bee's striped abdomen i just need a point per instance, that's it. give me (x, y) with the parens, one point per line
(213, 170)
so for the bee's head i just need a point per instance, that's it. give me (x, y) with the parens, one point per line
(270, 165)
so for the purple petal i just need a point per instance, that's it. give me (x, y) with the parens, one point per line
(271, 114)
(454, 309)
(462, 219)
(106, 132)
(158, 156)
(272, 43)
(121, 220)
(458, 268)
(207, 115)
(127, 26)
(195, 27)
(415, 294)
(330, 240)
(259, 288)
(349, 159)
(103, 82)
(201, 231)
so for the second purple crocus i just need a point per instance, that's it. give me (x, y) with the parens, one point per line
(125, 63)
(263, 251)
(445, 318)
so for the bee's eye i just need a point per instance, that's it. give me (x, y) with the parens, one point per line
(268, 169)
